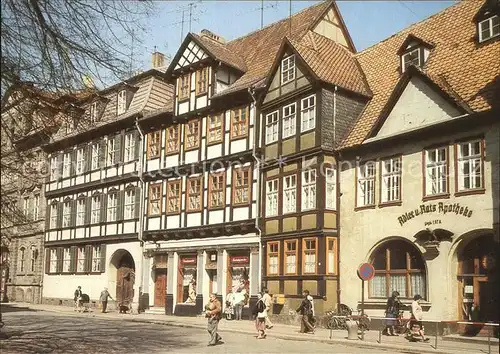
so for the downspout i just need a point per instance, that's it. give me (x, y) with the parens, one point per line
(141, 205)
(335, 115)
(339, 194)
(257, 164)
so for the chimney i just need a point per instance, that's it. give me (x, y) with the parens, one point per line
(158, 59)
(212, 36)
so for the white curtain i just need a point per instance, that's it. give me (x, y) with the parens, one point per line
(398, 283)
(418, 284)
(378, 286)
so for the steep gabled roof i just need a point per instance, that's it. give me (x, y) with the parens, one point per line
(456, 63)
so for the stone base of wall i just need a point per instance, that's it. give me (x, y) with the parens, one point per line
(23, 293)
(70, 303)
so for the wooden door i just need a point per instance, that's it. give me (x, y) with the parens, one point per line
(160, 287)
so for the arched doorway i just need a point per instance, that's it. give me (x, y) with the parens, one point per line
(124, 264)
(478, 279)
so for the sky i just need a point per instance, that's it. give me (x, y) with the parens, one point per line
(368, 22)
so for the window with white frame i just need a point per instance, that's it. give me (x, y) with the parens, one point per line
(308, 189)
(121, 104)
(26, 207)
(489, 28)
(470, 165)
(288, 69)
(129, 147)
(95, 217)
(330, 180)
(67, 164)
(112, 206)
(36, 207)
(80, 259)
(366, 184)
(436, 181)
(271, 127)
(53, 216)
(111, 152)
(66, 214)
(290, 194)
(308, 113)
(80, 161)
(53, 168)
(93, 112)
(129, 212)
(80, 211)
(53, 260)
(289, 120)
(272, 197)
(411, 58)
(291, 257)
(96, 258)
(67, 260)
(391, 180)
(95, 156)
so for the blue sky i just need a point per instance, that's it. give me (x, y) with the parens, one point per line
(368, 22)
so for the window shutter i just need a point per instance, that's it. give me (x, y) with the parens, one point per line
(59, 214)
(47, 216)
(103, 258)
(129, 94)
(73, 162)
(119, 205)
(72, 220)
(137, 202)
(103, 144)
(118, 149)
(60, 252)
(88, 209)
(88, 258)
(72, 257)
(47, 260)
(104, 209)
(86, 159)
(59, 165)
(137, 139)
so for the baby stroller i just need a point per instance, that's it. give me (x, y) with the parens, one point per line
(229, 310)
(415, 331)
(84, 303)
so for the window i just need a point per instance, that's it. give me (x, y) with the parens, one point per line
(96, 209)
(239, 123)
(289, 194)
(53, 260)
(96, 258)
(22, 255)
(153, 145)
(80, 161)
(215, 128)
(184, 86)
(398, 267)
(288, 69)
(129, 147)
(155, 199)
(53, 216)
(366, 184)
(173, 197)
(121, 104)
(26, 207)
(93, 112)
(273, 258)
(202, 80)
(36, 207)
(80, 259)
(308, 189)
(271, 127)
(308, 113)
(436, 171)
(411, 58)
(291, 257)
(241, 187)
(489, 28)
(330, 180)
(66, 214)
(331, 255)
(67, 164)
(173, 141)
(95, 156)
(194, 190)
(67, 260)
(111, 152)
(53, 168)
(33, 257)
(129, 204)
(289, 120)
(391, 180)
(272, 197)
(112, 206)
(80, 212)
(309, 255)
(470, 165)
(217, 190)
(192, 134)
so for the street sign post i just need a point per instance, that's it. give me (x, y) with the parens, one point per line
(365, 272)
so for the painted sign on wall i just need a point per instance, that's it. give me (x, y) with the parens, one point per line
(440, 208)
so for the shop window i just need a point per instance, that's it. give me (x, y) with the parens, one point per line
(215, 128)
(241, 185)
(192, 134)
(470, 165)
(238, 279)
(187, 280)
(391, 180)
(217, 189)
(291, 257)
(273, 258)
(153, 145)
(399, 266)
(194, 193)
(154, 199)
(173, 141)
(309, 255)
(239, 123)
(173, 197)
(331, 255)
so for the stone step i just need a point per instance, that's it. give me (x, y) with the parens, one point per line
(155, 311)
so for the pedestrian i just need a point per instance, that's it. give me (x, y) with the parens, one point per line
(260, 313)
(229, 310)
(267, 301)
(104, 299)
(392, 312)
(417, 315)
(239, 302)
(305, 310)
(76, 298)
(213, 314)
(312, 320)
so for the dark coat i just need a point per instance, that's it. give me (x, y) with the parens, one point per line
(305, 307)
(393, 306)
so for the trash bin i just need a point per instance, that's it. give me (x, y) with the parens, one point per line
(352, 329)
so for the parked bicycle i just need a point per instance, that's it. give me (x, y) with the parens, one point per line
(337, 319)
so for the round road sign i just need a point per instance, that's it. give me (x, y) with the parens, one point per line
(366, 271)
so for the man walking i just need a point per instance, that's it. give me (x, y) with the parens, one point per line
(267, 301)
(76, 298)
(213, 313)
(305, 309)
(104, 299)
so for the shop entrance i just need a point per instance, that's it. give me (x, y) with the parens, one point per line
(160, 287)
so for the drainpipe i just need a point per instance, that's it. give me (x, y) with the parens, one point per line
(257, 164)
(335, 115)
(339, 194)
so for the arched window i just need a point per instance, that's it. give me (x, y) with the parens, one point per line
(400, 267)
(22, 255)
(34, 255)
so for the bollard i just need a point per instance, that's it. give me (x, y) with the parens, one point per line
(331, 330)
(436, 340)
(489, 344)
(379, 336)
(352, 329)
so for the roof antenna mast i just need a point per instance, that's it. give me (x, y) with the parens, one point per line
(290, 22)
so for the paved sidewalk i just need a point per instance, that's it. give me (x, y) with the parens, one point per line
(393, 344)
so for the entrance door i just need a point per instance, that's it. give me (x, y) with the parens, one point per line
(125, 279)
(160, 287)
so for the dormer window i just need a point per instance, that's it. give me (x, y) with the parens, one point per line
(93, 112)
(413, 51)
(411, 58)
(121, 104)
(489, 28)
(287, 69)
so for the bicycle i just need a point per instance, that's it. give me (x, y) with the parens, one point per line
(336, 319)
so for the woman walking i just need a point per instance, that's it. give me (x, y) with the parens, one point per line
(392, 312)
(417, 315)
(260, 313)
